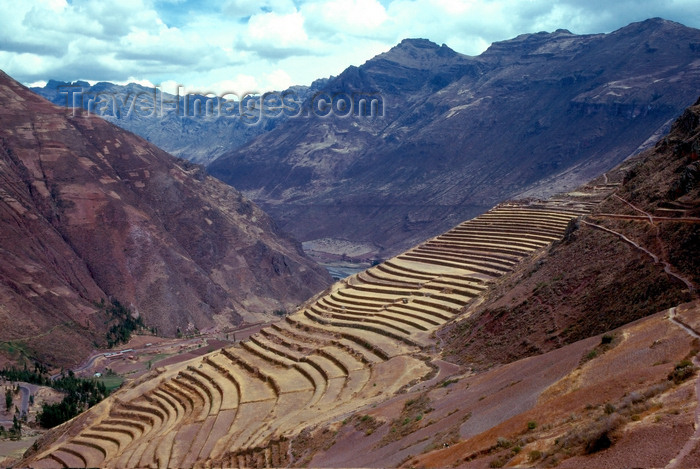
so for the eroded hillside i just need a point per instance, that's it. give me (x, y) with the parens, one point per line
(543, 333)
(413, 362)
(91, 212)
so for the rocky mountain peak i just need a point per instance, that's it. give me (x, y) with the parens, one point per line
(460, 134)
(417, 53)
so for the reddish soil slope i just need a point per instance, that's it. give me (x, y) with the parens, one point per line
(89, 211)
(636, 254)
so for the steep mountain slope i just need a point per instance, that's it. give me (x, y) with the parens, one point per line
(458, 134)
(357, 376)
(191, 126)
(585, 405)
(595, 281)
(91, 212)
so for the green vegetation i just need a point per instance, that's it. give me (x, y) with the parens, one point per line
(15, 432)
(410, 419)
(503, 442)
(366, 423)
(606, 343)
(17, 350)
(81, 395)
(600, 432)
(36, 376)
(531, 425)
(682, 371)
(123, 323)
(110, 382)
(447, 382)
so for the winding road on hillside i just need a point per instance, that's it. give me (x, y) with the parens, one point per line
(25, 390)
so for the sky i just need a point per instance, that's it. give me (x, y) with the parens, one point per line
(263, 45)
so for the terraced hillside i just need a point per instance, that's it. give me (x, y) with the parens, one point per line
(357, 344)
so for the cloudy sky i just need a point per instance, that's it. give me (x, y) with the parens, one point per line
(258, 45)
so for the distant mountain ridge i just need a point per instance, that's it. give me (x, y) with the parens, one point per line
(175, 124)
(90, 212)
(530, 116)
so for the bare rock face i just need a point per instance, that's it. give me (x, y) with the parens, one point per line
(89, 211)
(530, 116)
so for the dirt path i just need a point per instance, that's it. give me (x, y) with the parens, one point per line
(667, 266)
(624, 238)
(693, 440)
(635, 208)
(646, 218)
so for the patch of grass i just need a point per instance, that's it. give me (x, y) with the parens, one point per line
(409, 420)
(503, 442)
(111, 382)
(160, 356)
(607, 341)
(366, 423)
(683, 370)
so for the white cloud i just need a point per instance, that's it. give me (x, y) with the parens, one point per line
(267, 44)
(240, 85)
(346, 17)
(278, 80)
(138, 81)
(272, 27)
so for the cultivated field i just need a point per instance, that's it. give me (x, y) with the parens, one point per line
(356, 345)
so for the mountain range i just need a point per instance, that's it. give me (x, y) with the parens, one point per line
(559, 331)
(448, 137)
(543, 333)
(91, 213)
(182, 124)
(453, 135)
